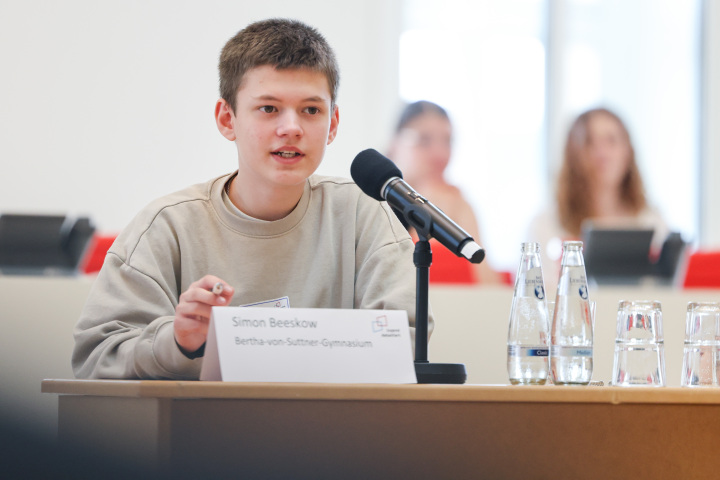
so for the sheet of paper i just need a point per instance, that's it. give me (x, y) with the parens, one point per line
(282, 302)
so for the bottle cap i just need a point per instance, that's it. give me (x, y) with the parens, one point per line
(530, 247)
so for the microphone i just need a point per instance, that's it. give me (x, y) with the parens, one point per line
(381, 179)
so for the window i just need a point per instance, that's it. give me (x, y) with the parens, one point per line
(642, 59)
(487, 63)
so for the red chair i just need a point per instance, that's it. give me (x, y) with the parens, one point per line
(448, 268)
(95, 253)
(702, 270)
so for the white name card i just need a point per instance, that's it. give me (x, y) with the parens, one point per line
(250, 344)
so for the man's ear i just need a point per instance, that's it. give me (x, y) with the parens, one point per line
(334, 121)
(225, 119)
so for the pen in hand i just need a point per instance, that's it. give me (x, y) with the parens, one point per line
(222, 293)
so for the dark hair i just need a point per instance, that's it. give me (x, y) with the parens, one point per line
(416, 109)
(281, 43)
(573, 185)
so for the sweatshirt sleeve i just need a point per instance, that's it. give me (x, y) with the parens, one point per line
(126, 329)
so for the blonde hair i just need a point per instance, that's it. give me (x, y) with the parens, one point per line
(573, 200)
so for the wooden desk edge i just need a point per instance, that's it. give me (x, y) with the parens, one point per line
(381, 392)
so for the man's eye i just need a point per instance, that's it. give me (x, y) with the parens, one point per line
(312, 110)
(268, 109)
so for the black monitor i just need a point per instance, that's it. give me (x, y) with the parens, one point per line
(623, 255)
(671, 256)
(617, 255)
(42, 244)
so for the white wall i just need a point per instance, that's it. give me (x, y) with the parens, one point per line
(105, 105)
(710, 176)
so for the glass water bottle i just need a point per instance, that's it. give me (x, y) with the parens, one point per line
(527, 353)
(571, 335)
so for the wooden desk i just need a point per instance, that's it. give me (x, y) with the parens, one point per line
(39, 314)
(397, 431)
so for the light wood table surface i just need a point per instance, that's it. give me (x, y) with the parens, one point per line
(269, 430)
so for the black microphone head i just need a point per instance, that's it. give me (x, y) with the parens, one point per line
(371, 170)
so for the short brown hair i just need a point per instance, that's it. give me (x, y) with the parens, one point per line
(280, 43)
(573, 185)
(418, 109)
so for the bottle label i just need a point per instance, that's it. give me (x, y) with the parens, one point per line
(560, 350)
(572, 280)
(532, 284)
(519, 351)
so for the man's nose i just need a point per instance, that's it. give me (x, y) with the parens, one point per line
(289, 124)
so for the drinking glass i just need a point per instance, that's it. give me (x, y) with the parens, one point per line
(639, 345)
(702, 342)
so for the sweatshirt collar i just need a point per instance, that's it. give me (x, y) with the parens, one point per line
(233, 218)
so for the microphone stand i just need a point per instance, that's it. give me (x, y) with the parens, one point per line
(424, 371)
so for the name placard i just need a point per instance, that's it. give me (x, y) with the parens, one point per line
(250, 344)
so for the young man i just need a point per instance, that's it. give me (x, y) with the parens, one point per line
(271, 229)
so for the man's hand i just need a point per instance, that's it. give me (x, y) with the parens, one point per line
(192, 314)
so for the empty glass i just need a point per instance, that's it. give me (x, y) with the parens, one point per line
(639, 345)
(702, 339)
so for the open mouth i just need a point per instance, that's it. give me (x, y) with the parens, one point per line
(285, 154)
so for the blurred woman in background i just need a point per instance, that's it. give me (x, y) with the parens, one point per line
(421, 147)
(599, 181)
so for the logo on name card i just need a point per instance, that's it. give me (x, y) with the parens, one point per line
(379, 324)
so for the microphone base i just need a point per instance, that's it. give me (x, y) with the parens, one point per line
(451, 373)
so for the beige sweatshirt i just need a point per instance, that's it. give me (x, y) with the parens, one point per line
(338, 248)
